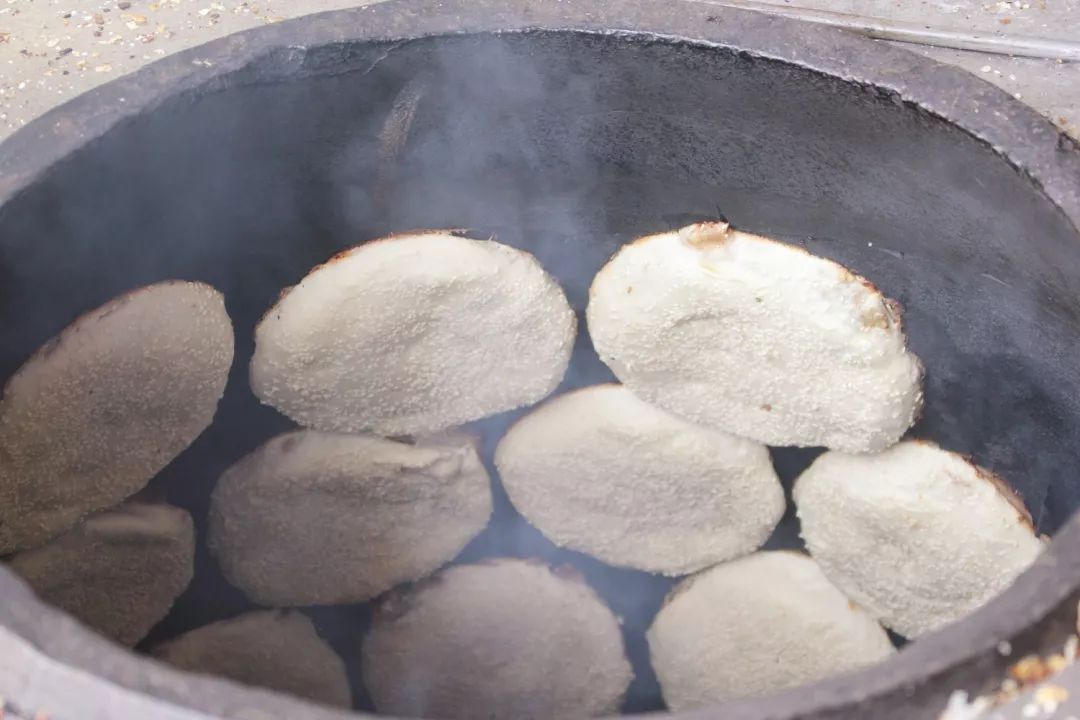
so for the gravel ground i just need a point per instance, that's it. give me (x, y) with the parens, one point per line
(51, 50)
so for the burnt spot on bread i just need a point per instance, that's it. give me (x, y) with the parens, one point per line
(706, 234)
(399, 602)
(566, 571)
(874, 319)
(890, 315)
(467, 233)
(679, 590)
(289, 443)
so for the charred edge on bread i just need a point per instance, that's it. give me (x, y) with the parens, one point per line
(288, 442)
(349, 251)
(618, 251)
(999, 484)
(243, 467)
(896, 312)
(282, 294)
(1006, 491)
(874, 318)
(467, 233)
(398, 602)
(566, 571)
(681, 588)
(636, 241)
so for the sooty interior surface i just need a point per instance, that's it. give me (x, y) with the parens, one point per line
(568, 146)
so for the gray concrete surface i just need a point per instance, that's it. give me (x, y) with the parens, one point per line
(51, 50)
(1050, 86)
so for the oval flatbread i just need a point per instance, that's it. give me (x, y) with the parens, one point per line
(315, 518)
(504, 640)
(414, 334)
(917, 535)
(275, 649)
(118, 572)
(755, 625)
(756, 337)
(105, 405)
(602, 472)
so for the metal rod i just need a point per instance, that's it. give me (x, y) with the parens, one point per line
(1019, 45)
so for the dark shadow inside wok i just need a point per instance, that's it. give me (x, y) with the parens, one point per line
(566, 145)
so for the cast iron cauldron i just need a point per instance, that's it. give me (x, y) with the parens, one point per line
(565, 128)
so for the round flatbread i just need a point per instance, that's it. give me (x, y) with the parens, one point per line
(756, 337)
(602, 472)
(275, 649)
(106, 404)
(755, 625)
(504, 640)
(414, 334)
(118, 572)
(315, 518)
(917, 535)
